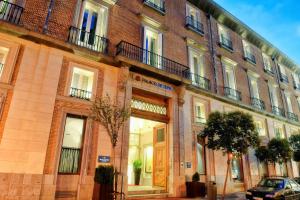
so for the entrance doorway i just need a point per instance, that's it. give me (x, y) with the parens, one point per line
(148, 145)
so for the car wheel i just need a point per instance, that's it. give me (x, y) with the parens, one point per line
(282, 198)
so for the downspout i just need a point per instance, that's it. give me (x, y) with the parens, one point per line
(45, 27)
(212, 53)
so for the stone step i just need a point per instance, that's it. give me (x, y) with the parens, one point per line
(147, 196)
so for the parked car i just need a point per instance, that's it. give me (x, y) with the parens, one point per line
(274, 188)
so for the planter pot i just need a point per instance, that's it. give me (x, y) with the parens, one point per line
(102, 192)
(195, 189)
(137, 176)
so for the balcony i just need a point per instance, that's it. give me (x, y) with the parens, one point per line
(250, 57)
(88, 40)
(200, 82)
(257, 103)
(278, 111)
(141, 55)
(232, 93)
(292, 116)
(81, 94)
(284, 78)
(10, 12)
(269, 71)
(226, 43)
(160, 6)
(194, 25)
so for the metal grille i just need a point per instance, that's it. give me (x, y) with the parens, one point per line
(149, 107)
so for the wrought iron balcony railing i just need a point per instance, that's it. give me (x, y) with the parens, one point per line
(10, 12)
(1, 68)
(147, 57)
(200, 120)
(88, 40)
(200, 81)
(269, 71)
(250, 57)
(157, 5)
(226, 43)
(81, 94)
(194, 25)
(278, 111)
(232, 93)
(284, 78)
(258, 103)
(292, 116)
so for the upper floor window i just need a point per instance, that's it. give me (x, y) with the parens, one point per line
(82, 83)
(283, 75)
(3, 55)
(158, 5)
(224, 37)
(296, 81)
(255, 99)
(298, 101)
(92, 29)
(200, 116)
(248, 52)
(288, 102)
(267, 64)
(193, 20)
(273, 94)
(153, 47)
(11, 10)
(229, 81)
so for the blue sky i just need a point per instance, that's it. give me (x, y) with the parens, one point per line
(276, 20)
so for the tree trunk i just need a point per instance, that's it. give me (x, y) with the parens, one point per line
(227, 173)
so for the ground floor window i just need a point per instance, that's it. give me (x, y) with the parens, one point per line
(70, 155)
(200, 156)
(236, 169)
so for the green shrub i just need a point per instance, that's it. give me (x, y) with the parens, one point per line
(137, 164)
(104, 174)
(196, 177)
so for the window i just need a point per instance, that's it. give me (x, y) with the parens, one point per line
(72, 144)
(153, 47)
(200, 116)
(224, 37)
(298, 101)
(248, 52)
(296, 81)
(255, 99)
(3, 55)
(229, 81)
(266, 60)
(274, 98)
(200, 156)
(283, 75)
(158, 5)
(278, 129)
(82, 83)
(92, 27)
(288, 102)
(196, 64)
(260, 127)
(193, 19)
(236, 169)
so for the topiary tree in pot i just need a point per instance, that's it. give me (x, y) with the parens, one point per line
(231, 133)
(104, 178)
(137, 169)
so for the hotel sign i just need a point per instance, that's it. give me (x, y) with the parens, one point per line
(153, 83)
(104, 159)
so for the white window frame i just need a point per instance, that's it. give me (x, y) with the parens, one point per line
(247, 48)
(202, 117)
(288, 102)
(191, 10)
(229, 65)
(262, 129)
(267, 62)
(222, 30)
(192, 52)
(273, 94)
(253, 84)
(282, 69)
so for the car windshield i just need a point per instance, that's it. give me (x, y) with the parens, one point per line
(272, 183)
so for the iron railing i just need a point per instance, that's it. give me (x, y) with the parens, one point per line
(269, 71)
(160, 6)
(250, 57)
(292, 116)
(150, 58)
(278, 111)
(88, 40)
(232, 93)
(10, 12)
(200, 81)
(193, 24)
(200, 120)
(1, 68)
(284, 78)
(81, 94)
(226, 42)
(258, 103)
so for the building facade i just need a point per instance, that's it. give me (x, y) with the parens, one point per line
(173, 62)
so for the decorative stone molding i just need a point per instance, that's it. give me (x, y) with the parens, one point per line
(180, 90)
(123, 77)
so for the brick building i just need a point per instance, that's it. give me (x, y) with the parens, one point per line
(172, 61)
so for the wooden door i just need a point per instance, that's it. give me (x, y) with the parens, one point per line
(160, 158)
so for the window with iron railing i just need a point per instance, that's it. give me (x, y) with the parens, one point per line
(278, 111)
(194, 25)
(200, 81)
(10, 12)
(232, 93)
(258, 103)
(81, 83)
(158, 5)
(226, 42)
(292, 116)
(250, 57)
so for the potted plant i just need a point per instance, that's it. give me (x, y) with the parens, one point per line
(195, 188)
(104, 178)
(137, 169)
